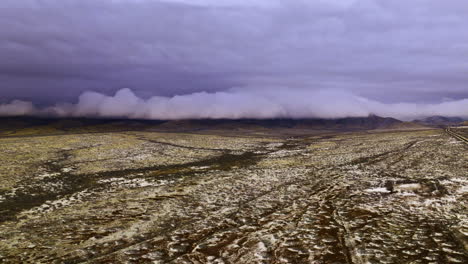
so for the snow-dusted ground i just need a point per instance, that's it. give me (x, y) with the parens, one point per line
(398, 197)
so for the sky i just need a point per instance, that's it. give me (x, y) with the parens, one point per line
(171, 59)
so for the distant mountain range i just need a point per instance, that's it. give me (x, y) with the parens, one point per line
(351, 123)
(440, 121)
(22, 126)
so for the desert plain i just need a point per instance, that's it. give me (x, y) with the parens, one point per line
(149, 196)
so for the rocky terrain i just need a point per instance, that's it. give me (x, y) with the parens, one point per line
(154, 197)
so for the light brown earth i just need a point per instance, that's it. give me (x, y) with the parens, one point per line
(151, 197)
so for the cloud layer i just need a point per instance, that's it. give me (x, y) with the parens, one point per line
(390, 51)
(235, 104)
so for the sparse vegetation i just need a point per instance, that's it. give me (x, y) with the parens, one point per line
(142, 197)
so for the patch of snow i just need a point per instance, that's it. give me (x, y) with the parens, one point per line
(67, 170)
(261, 250)
(406, 194)
(200, 168)
(463, 190)
(408, 187)
(47, 175)
(377, 190)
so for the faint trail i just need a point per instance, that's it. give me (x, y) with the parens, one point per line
(179, 146)
(456, 135)
(368, 160)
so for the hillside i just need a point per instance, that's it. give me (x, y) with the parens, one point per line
(439, 121)
(26, 126)
(351, 123)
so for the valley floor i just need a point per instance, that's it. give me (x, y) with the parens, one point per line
(152, 197)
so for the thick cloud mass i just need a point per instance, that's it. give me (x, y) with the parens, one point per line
(235, 104)
(17, 108)
(387, 51)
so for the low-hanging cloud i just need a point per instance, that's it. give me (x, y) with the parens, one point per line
(235, 104)
(16, 108)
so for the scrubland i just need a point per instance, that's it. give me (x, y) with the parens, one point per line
(153, 197)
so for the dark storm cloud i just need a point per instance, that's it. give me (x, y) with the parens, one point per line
(389, 51)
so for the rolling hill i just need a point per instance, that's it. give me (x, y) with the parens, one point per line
(21, 126)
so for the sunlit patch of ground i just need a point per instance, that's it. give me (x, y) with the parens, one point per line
(143, 197)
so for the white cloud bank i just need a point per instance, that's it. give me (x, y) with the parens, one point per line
(17, 108)
(235, 104)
